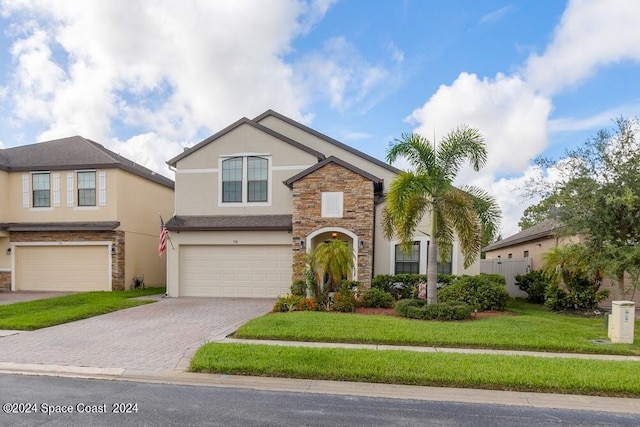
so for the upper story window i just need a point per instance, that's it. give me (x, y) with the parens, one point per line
(257, 179)
(87, 188)
(245, 179)
(232, 180)
(41, 187)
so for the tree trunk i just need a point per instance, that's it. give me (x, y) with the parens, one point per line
(432, 263)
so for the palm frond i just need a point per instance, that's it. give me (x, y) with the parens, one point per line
(459, 208)
(416, 149)
(460, 145)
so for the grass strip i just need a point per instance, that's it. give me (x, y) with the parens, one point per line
(529, 327)
(495, 372)
(31, 315)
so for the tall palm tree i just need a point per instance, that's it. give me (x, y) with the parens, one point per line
(333, 258)
(469, 213)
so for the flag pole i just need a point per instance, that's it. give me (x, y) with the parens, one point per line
(168, 234)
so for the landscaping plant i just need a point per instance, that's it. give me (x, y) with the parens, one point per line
(482, 292)
(378, 298)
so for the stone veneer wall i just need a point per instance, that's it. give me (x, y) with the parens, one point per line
(116, 237)
(358, 213)
(5, 280)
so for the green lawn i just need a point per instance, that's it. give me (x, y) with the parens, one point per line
(521, 373)
(43, 313)
(531, 327)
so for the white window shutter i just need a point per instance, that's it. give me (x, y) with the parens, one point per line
(332, 204)
(25, 190)
(56, 190)
(102, 182)
(70, 192)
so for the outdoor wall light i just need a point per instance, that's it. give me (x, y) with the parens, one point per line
(113, 250)
(361, 244)
(8, 251)
(334, 234)
(301, 244)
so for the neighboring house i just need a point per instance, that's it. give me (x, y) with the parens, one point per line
(256, 197)
(530, 243)
(75, 216)
(506, 256)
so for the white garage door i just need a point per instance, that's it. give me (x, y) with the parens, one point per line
(235, 271)
(62, 268)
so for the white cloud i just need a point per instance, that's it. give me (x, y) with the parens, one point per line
(341, 75)
(496, 15)
(149, 150)
(510, 115)
(591, 34)
(82, 65)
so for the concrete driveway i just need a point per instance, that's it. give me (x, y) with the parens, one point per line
(161, 336)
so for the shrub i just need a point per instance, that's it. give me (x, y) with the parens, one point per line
(344, 301)
(403, 286)
(375, 297)
(420, 309)
(299, 288)
(481, 292)
(582, 295)
(534, 284)
(294, 303)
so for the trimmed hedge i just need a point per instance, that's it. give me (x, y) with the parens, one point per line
(375, 297)
(420, 309)
(482, 292)
(534, 284)
(403, 286)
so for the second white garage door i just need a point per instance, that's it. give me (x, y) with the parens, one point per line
(62, 268)
(235, 271)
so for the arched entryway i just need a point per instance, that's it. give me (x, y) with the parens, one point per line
(327, 233)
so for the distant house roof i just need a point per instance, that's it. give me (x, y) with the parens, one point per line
(331, 159)
(74, 152)
(541, 230)
(245, 121)
(230, 223)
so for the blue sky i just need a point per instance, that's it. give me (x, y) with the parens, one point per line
(149, 78)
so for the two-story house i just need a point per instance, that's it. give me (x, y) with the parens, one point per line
(256, 197)
(75, 216)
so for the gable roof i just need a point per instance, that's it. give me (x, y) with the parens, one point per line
(331, 159)
(326, 139)
(541, 230)
(244, 121)
(74, 152)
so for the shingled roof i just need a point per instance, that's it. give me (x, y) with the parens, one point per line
(73, 152)
(230, 223)
(541, 230)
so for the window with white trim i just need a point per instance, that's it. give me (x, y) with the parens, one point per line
(86, 188)
(244, 180)
(407, 263)
(41, 189)
(332, 204)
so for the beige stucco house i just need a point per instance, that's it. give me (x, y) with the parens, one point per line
(75, 216)
(532, 243)
(255, 197)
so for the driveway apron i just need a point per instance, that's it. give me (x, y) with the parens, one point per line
(152, 337)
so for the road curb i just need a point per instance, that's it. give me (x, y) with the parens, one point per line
(292, 385)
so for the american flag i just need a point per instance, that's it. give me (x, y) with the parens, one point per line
(162, 245)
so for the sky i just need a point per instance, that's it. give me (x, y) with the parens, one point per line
(147, 79)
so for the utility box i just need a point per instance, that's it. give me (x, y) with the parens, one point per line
(622, 322)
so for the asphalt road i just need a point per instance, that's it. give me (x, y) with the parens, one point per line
(55, 401)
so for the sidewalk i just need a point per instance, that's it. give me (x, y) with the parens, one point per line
(436, 349)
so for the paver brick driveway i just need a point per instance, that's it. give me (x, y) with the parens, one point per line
(152, 337)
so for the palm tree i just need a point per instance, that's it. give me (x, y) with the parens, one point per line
(333, 258)
(467, 212)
